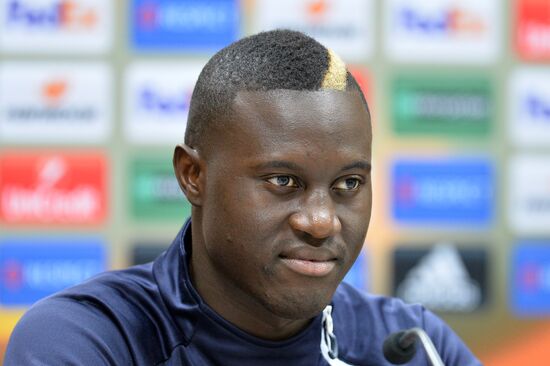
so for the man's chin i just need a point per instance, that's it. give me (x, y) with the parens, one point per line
(299, 306)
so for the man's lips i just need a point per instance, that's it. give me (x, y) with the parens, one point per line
(309, 268)
(309, 262)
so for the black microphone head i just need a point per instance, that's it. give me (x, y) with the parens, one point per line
(394, 353)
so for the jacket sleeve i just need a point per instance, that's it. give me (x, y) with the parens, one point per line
(452, 349)
(66, 332)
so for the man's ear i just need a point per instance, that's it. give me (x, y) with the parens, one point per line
(189, 173)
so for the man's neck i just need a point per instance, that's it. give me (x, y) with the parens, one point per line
(235, 306)
(230, 301)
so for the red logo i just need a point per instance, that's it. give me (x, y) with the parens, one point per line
(49, 188)
(317, 10)
(532, 32)
(530, 277)
(12, 274)
(53, 91)
(363, 79)
(147, 15)
(361, 76)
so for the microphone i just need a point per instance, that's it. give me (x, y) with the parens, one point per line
(400, 347)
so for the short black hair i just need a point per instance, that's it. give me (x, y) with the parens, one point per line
(278, 59)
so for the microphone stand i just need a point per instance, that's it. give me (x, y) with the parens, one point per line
(406, 339)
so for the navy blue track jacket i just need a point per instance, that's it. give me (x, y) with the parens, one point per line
(151, 315)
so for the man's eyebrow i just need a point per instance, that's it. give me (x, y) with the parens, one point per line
(278, 164)
(360, 164)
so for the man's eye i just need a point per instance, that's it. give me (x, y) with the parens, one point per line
(283, 181)
(348, 184)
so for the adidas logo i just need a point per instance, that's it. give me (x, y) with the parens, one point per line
(441, 282)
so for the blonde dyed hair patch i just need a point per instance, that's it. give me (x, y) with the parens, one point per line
(336, 75)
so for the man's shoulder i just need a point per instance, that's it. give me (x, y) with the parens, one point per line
(113, 287)
(378, 312)
(68, 331)
(362, 322)
(102, 318)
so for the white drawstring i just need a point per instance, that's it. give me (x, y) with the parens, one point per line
(329, 346)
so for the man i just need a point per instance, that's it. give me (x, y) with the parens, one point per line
(276, 164)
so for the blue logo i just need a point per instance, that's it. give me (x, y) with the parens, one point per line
(530, 279)
(184, 25)
(357, 275)
(62, 14)
(446, 192)
(537, 108)
(150, 100)
(453, 21)
(33, 268)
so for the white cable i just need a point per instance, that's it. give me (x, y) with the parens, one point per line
(329, 346)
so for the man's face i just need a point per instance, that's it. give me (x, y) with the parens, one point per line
(287, 198)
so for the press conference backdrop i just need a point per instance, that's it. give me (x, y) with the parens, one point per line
(94, 94)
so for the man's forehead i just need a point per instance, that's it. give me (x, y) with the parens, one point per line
(294, 114)
(292, 94)
(291, 102)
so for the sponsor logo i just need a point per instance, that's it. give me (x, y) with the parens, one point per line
(155, 192)
(537, 108)
(532, 30)
(56, 25)
(152, 101)
(157, 101)
(444, 192)
(144, 253)
(33, 268)
(184, 25)
(452, 21)
(55, 14)
(442, 30)
(40, 188)
(55, 103)
(447, 106)
(530, 107)
(443, 278)
(358, 275)
(346, 26)
(529, 208)
(530, 279)
(364, 81)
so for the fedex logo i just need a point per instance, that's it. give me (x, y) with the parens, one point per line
(537, 108)
(32, 268)
(466, 31)
(66, 26)
(155, 101)
(530, 278)
(530, 106)
(453, 21)
(52, 189)
(56, 14)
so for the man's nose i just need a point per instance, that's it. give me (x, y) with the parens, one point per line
(317, 216)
